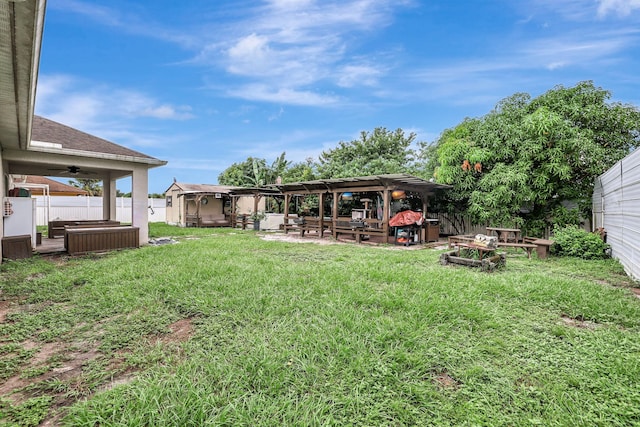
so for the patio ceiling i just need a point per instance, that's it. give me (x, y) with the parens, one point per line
(21, 24)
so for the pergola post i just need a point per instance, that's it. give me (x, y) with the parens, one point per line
(233, 211)
(287, 198)
(386, 211)
(321, 213)
(334, 214)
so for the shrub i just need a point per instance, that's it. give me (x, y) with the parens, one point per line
(573, 241)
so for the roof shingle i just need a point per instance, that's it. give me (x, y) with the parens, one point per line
(46, 130)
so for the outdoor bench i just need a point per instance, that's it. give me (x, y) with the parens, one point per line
(306, 224)
(56, 227)
(462, 238)
(85, 225)
(100, 239)
(543, 246)
(360, 228)
(216, 220)
(527, 247)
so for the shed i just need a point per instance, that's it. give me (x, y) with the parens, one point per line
(198, 205)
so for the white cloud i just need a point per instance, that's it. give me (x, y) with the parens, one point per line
(584, 10)
(81, 101)
(101, 110)
(136, 21)
(356, 75)
(258, 92)
(291, 45)
(619, 7)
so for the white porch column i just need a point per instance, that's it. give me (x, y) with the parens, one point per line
(139, 202)
(109, 198)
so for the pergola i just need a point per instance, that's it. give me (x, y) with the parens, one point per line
(382, 185)
(257, 192)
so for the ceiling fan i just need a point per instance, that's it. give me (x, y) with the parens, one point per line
(73, 170)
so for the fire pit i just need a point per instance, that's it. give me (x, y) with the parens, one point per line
(481, 252)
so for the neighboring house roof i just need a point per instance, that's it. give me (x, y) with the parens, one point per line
(200, 188)
(56, 188)
(67, 138)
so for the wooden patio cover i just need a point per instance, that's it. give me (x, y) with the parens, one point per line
(384, 184)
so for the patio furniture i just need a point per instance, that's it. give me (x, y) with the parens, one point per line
(488, 259)
(100, 239)
(56, 227)
(543, 246)
(504, 234)
(17, 247)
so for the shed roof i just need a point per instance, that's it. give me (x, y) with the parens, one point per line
(185, 188)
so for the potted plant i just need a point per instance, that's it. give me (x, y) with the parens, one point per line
(256, 217)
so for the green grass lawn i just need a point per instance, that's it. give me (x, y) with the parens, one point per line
(224, 328)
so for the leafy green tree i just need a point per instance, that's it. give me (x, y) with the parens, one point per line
(301, 171)
(254, 172)
(91, 186)
(519, 163)
(244, 174)
(379, 152)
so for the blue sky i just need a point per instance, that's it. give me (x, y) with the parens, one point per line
(204, 84)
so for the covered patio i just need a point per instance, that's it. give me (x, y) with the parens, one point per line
(360, 207)
(32, 145)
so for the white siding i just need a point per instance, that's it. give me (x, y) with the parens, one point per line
(616, 207)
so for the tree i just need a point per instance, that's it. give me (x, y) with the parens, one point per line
(379, 152)
(301, 171)
(244, 174)
(254, 172)
(91, 186)
(518, 164)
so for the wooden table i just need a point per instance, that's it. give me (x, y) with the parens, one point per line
(503, 233)
(543, 247)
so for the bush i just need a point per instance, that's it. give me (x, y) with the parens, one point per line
(573, 241)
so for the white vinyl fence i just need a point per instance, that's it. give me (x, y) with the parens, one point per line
(616, 208)
(73, 207)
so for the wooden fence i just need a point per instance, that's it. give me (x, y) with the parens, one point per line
(455, 224)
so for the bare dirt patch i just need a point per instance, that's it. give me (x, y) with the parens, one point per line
(4, 310)
(445, 382)
(68, 369)
(578, 322)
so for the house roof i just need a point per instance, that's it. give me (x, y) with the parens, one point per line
(55, 187)
(57, 135)
(21, 28)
